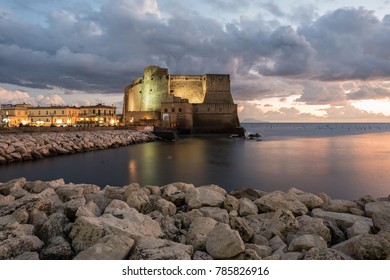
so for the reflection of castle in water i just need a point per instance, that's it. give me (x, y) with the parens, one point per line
(196, 102)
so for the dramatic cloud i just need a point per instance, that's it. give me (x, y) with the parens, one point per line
(272, 51)
(14, 96)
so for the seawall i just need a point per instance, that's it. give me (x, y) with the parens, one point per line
(15, 147)
(58, 220)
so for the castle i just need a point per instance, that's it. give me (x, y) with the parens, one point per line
(198, 103)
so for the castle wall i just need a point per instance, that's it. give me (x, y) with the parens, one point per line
(154, 89)
(215, 117)
(217, 89)
(187, 86)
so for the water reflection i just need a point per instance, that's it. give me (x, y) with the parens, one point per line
(342, 166)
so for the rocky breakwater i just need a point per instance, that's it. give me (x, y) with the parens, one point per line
(56, 220)
(32, 146)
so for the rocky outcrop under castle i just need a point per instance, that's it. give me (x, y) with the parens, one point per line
(58, 220)
(32, 146)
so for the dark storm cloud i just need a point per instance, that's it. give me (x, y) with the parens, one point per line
(369, 92)
(103, 50)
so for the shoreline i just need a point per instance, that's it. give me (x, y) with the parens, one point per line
(17, 147)
(58, 220)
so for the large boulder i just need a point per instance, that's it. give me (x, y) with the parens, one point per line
(343, 220)
(110, 247)
(308, 199)
(87, 231)
(315, 226)
(317, 253)
(57, 249)
(149, 248)
(247, 207)
(223, 242)
(280, 200)
(372, 247)
(54, 226)
(339, 205)
(306, 242)
(210, 195)
(165, 207)
(198, 231)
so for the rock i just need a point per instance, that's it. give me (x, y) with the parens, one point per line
(277, 245)
(198, 231)
(343, 220)
(340, 206)
(308, 199)
(6, 199)
(381, 220)
(117, 208)
(316, 253)
(261, 250)
(54, 226)
(110, 247)
(39, 186)
(100, 200)
(32, 256)
(15, 246)
(280, 200)
(5, 188)
(201, 256)
(337, 235)
(315, 226)
(358, 228)
(248, 254)
(56, 204)
(231, 203)
(69, 192)
(246, 232)
(57, 249)
(292, 256)
(90, 209)
(283, 221)
(37, 218)
(87, 231)
(148, 248)
(27, 202)
(139, 200)
(186, 218)
(372, 247)
(378, 207)
(176, 192)
(210, 195)
(72, 206)
(247, 207)
(223, 242)
(251, 194)
(114, 192)
(306, 242)
(348, 247)
(221, 215)
(165, 207)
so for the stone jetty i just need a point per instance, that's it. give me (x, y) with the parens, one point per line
(31, 146)
(57, 220)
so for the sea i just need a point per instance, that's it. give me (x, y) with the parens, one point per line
(343, 160)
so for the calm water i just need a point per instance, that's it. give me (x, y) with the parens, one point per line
(343, 160)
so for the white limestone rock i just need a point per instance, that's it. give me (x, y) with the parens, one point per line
(149, 248)
(198, 231)
(280, 200)
(110, 247)
(223, 242)
(306, 242)
(247, 207)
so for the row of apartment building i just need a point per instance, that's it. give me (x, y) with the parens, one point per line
(26, 114)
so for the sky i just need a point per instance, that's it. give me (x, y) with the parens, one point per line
(289, 60)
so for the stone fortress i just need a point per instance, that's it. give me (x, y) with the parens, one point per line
(197, 103)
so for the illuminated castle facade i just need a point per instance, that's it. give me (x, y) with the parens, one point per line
(195, 102)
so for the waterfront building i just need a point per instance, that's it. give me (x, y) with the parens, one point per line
(26, 114)
(194, 102)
